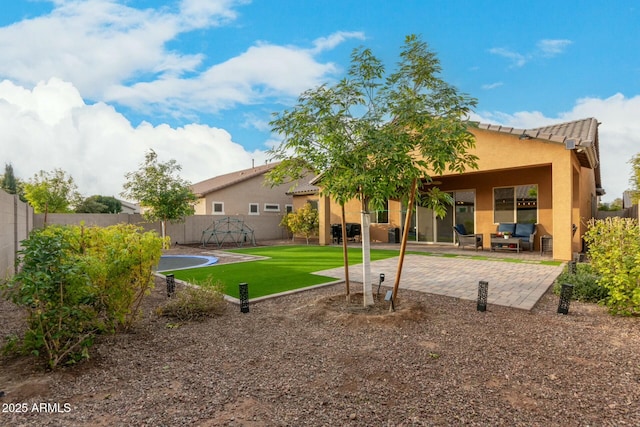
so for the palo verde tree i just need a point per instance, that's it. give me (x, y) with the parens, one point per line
(376, 136)
(52, 192)
(158, 189)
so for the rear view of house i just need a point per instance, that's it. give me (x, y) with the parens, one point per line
(548, 176)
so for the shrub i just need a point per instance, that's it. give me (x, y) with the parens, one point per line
(585, 284)
(75, 282)
(614, 251)
(195, 303)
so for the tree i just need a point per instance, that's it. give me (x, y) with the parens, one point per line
(160, 191)
(304, 221)
(374, 137)
(9, 182)
(99, 204)
(52, 192)
(634, 180)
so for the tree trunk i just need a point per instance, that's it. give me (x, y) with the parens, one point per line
(405, 237)
(367, 289)
(345, 253)
(163, 228)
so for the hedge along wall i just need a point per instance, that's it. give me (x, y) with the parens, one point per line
(16, 221)
(265, 227)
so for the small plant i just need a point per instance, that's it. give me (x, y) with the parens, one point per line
(585, 283)
(195, 302)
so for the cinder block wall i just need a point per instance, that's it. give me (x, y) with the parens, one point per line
(190, 231)
(16, 221)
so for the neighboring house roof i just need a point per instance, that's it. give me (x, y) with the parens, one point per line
(207, 186)
(578, 135)
(133, 207)
(304, 189)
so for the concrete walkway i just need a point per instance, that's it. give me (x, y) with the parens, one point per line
(518, 285)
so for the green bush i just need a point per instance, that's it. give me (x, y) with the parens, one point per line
(585, 284)
(614, 251)
(195, 303)
(76, 282)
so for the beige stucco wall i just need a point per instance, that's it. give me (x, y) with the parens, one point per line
(565, 189)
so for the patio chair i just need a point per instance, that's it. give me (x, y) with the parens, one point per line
(465, 239)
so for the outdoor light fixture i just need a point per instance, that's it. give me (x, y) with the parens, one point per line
(244, 297)
(380, 283)
(171, 285)
(565, 298)
(483, 291)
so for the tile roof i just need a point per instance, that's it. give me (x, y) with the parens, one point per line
(210, 185)
(304, 189)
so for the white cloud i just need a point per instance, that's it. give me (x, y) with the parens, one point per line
(51, 127)
(327, 43)
(517, 59)
(619, 133)
(102, 46)
(490, 86)
(551, 48)
(546, 48)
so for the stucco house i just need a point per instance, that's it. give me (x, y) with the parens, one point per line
(245, 195)
(549, 176)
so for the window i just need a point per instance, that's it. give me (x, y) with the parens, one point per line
(516, 204)
(254, 209)
(288, 208)
(381, 217)
(271, 207)
(217, 208)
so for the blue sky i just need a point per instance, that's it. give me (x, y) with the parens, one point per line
(89, 86)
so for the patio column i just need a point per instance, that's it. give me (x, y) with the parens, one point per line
(324, 214)
(562, 199)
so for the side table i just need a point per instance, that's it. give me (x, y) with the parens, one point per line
(546, 244)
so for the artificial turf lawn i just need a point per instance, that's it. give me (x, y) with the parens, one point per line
(288, 268)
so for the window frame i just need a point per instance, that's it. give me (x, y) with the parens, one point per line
(257, 206)
(375, 218)
(213, 208)
(266, 208)
(514, 217)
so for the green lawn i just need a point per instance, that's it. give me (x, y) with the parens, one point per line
(288, 267)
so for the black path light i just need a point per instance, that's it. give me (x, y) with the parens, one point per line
(566, 292)
(244, 297)
(483, 292)
(380, 283)
(171, 285)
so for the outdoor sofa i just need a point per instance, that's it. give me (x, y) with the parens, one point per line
(524, 232)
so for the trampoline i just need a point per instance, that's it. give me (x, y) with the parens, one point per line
(181, 262)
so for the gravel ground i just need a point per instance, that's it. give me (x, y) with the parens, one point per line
(312, 359)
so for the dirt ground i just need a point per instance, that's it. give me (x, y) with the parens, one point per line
(312, 359)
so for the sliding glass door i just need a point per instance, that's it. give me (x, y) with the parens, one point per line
(431, 229)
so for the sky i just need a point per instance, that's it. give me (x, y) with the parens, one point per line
(90, 86)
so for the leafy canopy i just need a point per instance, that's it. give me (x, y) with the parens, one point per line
(99, 204)
(157, 187)
(373, 135)
(54, 192)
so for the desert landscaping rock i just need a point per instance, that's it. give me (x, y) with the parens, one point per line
(310, 359)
